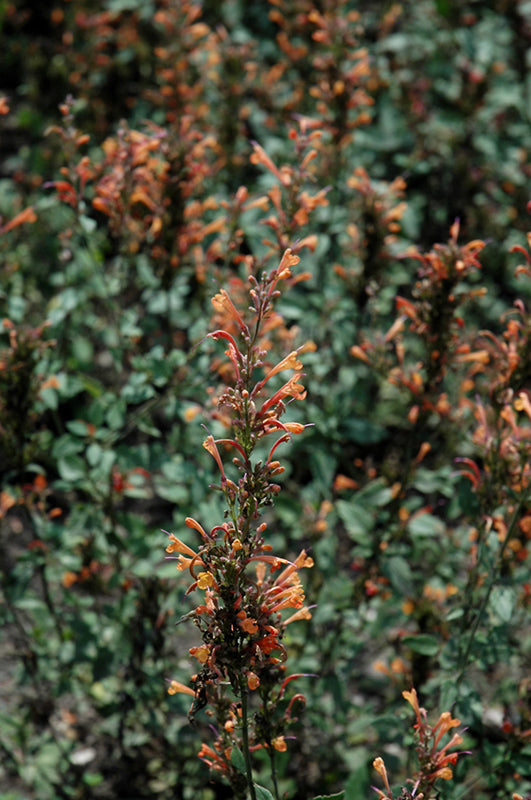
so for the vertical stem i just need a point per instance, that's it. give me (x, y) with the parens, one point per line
(464, 657)
(274, 772)
(245, 738)
(41, 571)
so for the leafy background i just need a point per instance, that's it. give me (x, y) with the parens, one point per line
(130, 130)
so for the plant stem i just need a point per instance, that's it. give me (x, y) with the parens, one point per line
(463, 660)
(274, 772)
(245, 738)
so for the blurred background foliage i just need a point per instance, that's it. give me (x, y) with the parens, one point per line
(132, 133)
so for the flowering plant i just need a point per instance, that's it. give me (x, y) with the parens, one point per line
(435, 758)
(246, 587)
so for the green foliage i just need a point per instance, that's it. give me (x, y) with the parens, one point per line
(123, 209)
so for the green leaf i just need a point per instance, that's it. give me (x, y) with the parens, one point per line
(455, 613)
(174, 493)
(338, 796)
(94, 454)
(424, 643)
(502, 602)
(92, 386)
(87, 223)
(78, 427)
(399, 573)
(357, 520)
(92, 779)
(147, 427)
(71, 468)
(426, 525)
(262, 793)
(49, 398)
(237, 760)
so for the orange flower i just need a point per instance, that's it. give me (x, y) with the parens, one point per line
(290, 389)
(247, 624)
(289, 362)
(179, 688)
(269, 642)
(412, 699)
(28, 215)
(205, 580)
(215, 760)
(279, 743)
(302, 613)
(224, 305)
(260, 157)
(202, 653)
(68, 579)
(379, 766)
(253, 681)
(190, 522)
(342, 482)
(7, 501)
(288, 260)
(210, 445)
(287, 590)
(445, 723)
(177, 546)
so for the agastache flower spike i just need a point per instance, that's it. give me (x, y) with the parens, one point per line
(246, 587)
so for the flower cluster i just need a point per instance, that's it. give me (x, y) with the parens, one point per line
(248, 594)
(380, 208)
(435, 759)
(500, 472)
(328, 40)
(289, 201)
(431, 316)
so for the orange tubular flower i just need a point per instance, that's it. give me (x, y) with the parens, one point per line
(214, 759)
(412, 699)
(279, 743)
(202, 653)
(223, 304)
(302, 613)
(205, 580)
(289, 362)
(379, 766)
(287, 591)
(233, 353)
(210, 445)
(176, 546)
(190, 522)
(290, 389)
(176, 687)
(445, 723)
(28, 215)
(253, 681)
(289, 427)
(268, 643)
(260, 157)
(288, 260)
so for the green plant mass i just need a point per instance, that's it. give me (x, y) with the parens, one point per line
(265, 400)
